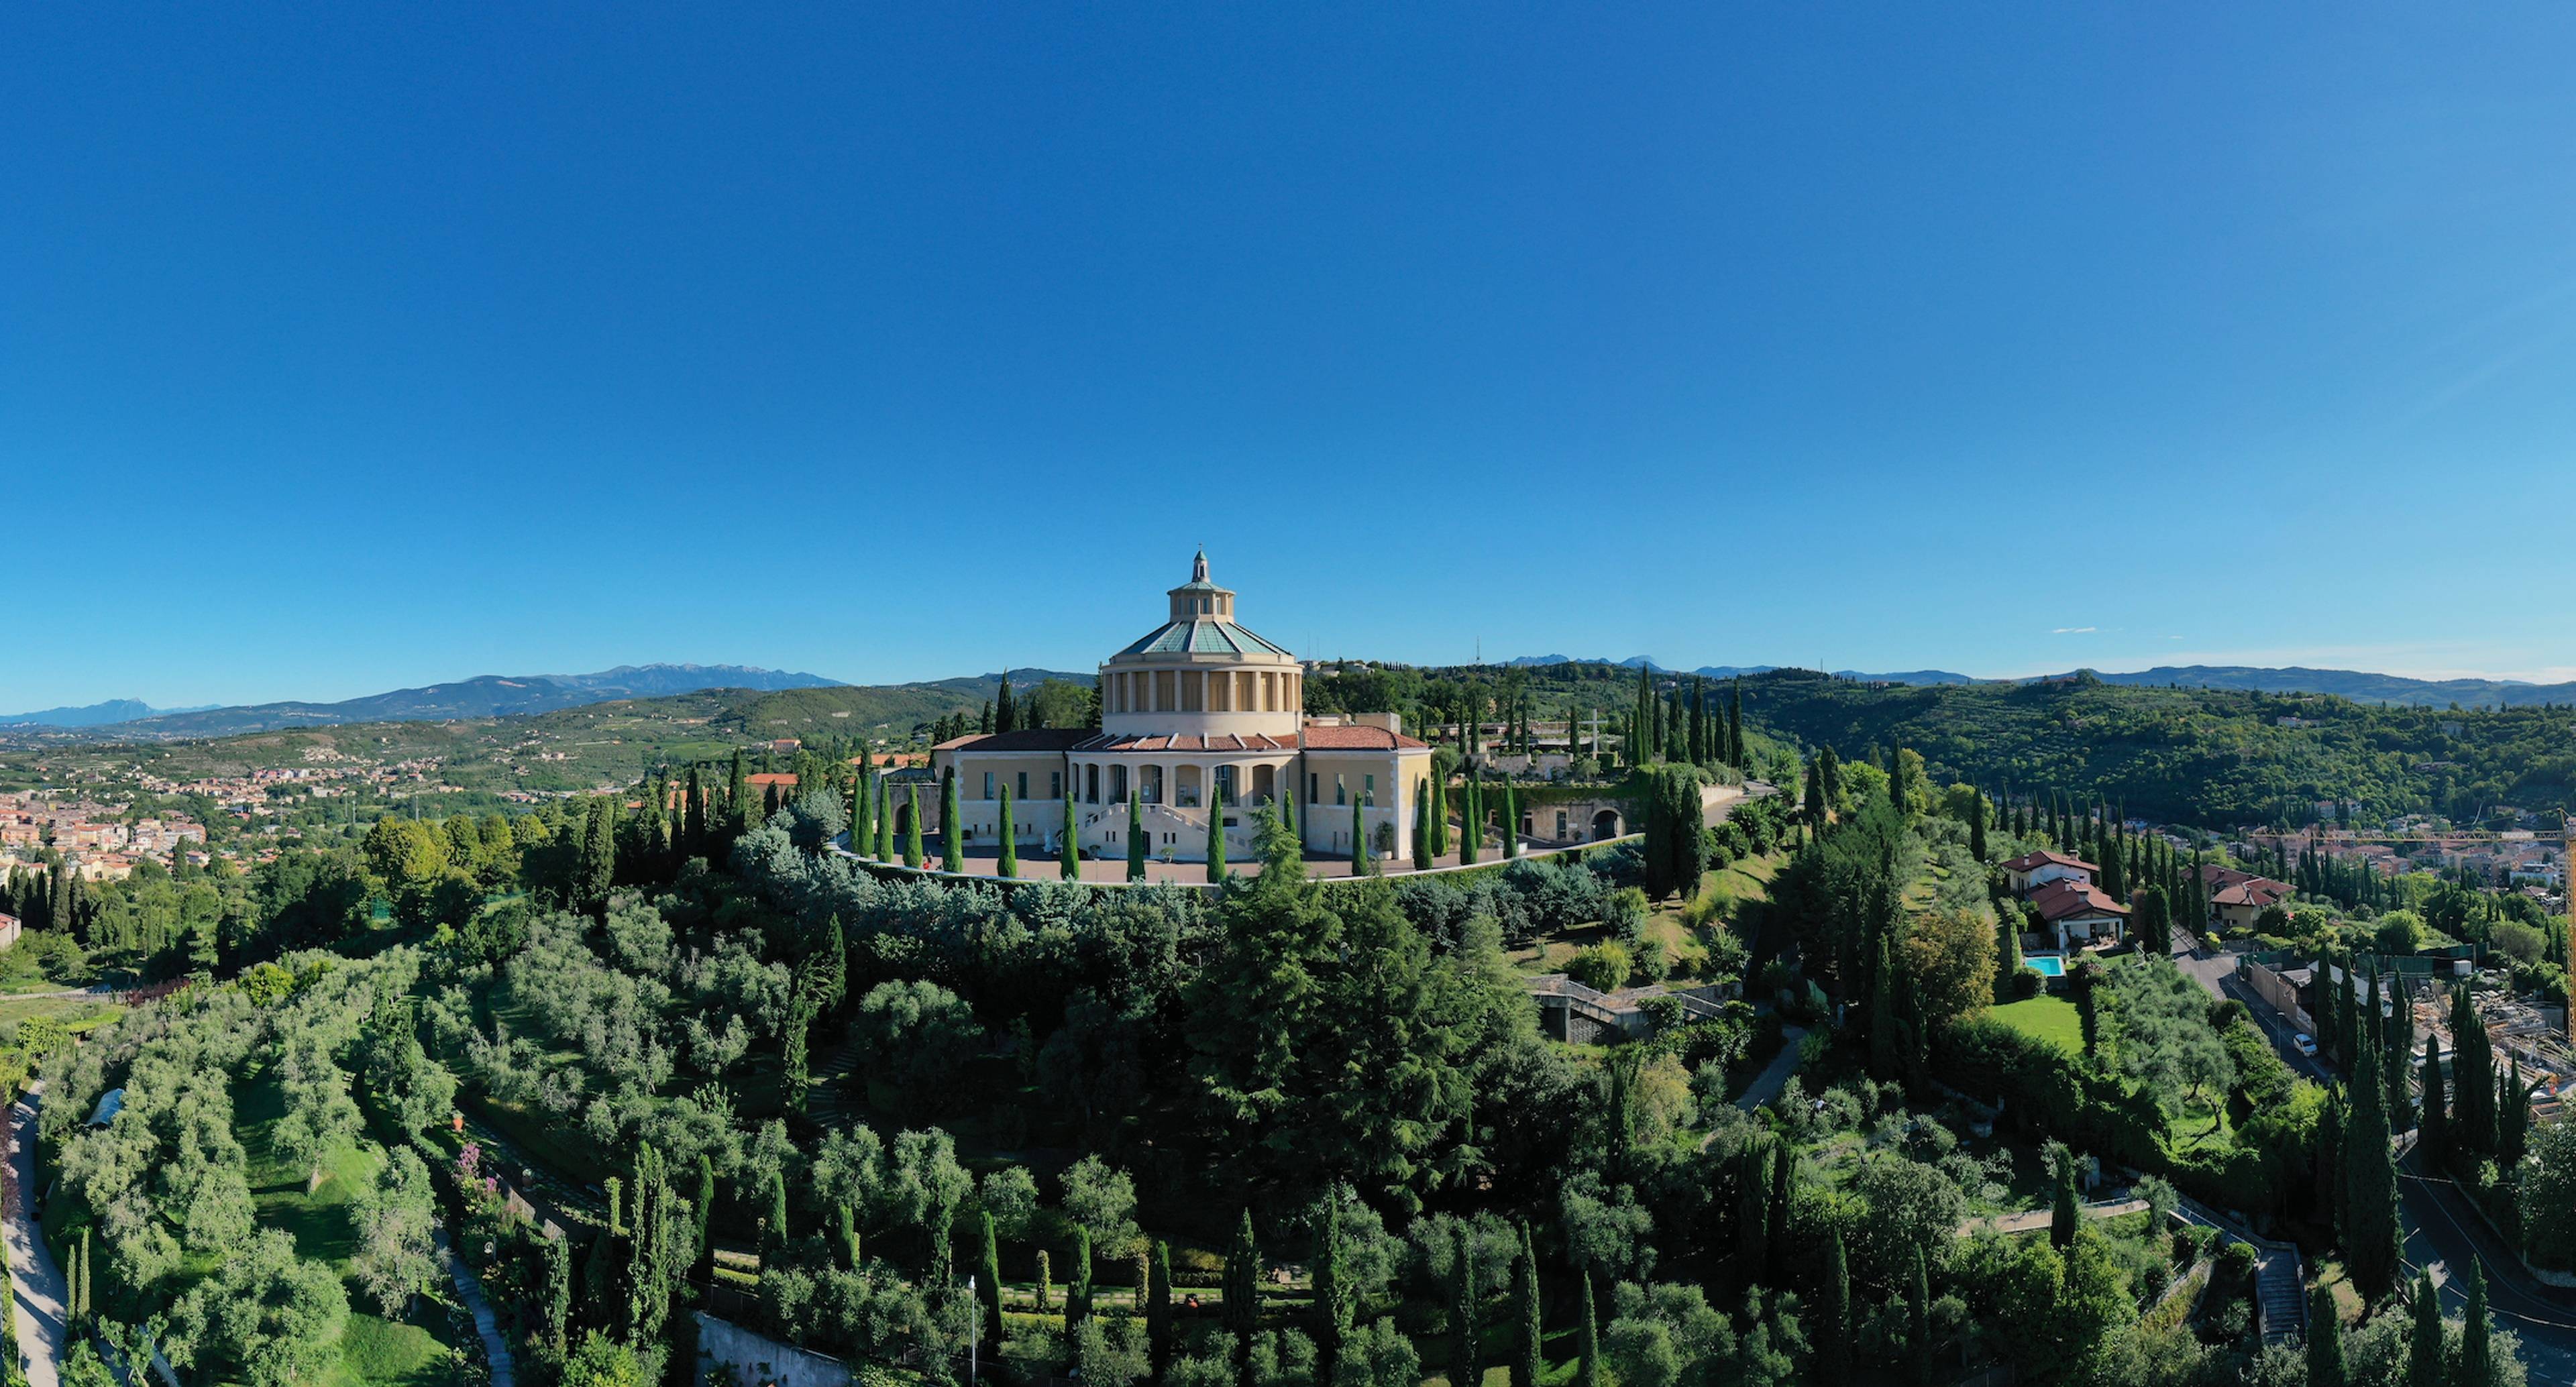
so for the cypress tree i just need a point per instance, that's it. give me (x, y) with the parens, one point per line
(737, 802)
(1216, 844)
(952, 832)
(1439, 803)
(81, 1302)
(1010, 825)
(1832, 1335)
(860, 831)
(1158, 1307)
(885, 823)
(1135, 834)
(1466, 1368)
(1006, 716)
(777, 1233)
(1882, 1018)
(1359, 838)
(1068, 854)
(2065, 1212)
(1332, 1299)
(988, 1266)
(2476, 1365)
(1511, 821)
(2513, 1119)
(2371, 1235)
(1526, 1362)
(1471, 829)
(1046, 1281)
(1587, 1336)
(2433, 1126)
(1776, 1240)
(1077, 1287)
(558, 1292)
(1242, 1309)
(1977, 826)
(2325, 1341)
(1644, 731)
(1752, 1212)
(2425, 1365)
(912, 829)
(845, 1234)
(1735, 725)
(2473, 1082)
(1422, 825)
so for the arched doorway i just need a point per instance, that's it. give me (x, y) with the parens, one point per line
(1605, 825)
(902, 821)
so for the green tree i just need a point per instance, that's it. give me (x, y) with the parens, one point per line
(2475, 1366)
(1422, 825)
(1832, 1334)
(912, 855)
(1077, 1287)
(2065, 1211)
(1511, 821)
(1439, 810)
(988, 1267)
(1068, 850)
(1587, 1335)
(2325, 1341)
(2425, 1363)
(1242, 1308)
(1673, 841)
(862, 832)
(1330, 1319)
(2371, 1240)
(1135, 835)
(1465, 1321)
(2433, 1124)
(1471, 822)
(1010, 864)
(1918, 1321)
(1216, 869)
(1359, 837)
(952, 829)
(1977, 827)
(1158, 1307)
(1528, 1338)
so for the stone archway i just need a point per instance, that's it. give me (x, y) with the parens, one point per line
(1605, 825)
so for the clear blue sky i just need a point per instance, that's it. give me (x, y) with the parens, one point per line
(343, 349)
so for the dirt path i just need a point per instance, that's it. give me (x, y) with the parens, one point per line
(38, 1292)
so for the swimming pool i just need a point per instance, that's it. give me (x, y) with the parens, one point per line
(2048, 965)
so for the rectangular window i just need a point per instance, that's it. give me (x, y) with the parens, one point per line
(988, 784)
(1370, 790)
(1314, 794)
(1021, 790)
(1341, 792)
(1055, 784)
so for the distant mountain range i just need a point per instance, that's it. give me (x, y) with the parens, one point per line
(487, 695)
(94, 714)
(2357, 685)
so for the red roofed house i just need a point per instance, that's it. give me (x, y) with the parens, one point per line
(1199, 717)
(9, 928)
(2237, 899)
(2080, 912)
(2030, 871)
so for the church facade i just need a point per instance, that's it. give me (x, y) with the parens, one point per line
(1200, 719)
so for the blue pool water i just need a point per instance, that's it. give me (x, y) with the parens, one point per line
(2048, 965)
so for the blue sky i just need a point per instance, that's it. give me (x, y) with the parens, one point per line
(346, 349)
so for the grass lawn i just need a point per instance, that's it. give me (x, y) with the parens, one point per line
(2046, 1018)
(374, 1352)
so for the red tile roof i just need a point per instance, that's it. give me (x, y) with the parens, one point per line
(2257, 892)
(1020, 739)
(1349, 737)
(2061, 900)
(2033, 861)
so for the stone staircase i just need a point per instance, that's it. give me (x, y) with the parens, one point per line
(2280, 1278)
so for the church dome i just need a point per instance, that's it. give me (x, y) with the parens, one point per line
(1201, 672)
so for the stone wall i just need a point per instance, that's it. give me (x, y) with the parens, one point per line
(758, 1360)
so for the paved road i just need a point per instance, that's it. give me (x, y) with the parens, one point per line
(2443, 1231)
(2029, 1219)
(496, 1349)
(1774, 1076)
(38, 1292)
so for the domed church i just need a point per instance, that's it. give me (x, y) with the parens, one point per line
(1199, 717)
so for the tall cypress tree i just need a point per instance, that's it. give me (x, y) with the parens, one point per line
(952, 832)
(2513, 1119)
(1216, 870)
(1977, 826)
(1158, 1307)
(1006, 716)
(1735, 724)
(1528, 1341)
(1135, 835)
(2426, 1365)
(1359, 837)
(1242, 1309)
(2433, 1126)
(885, 821)
(1068, 850)
(1010, 823)
(2476, 1366)
(1471, 827)
(2066, 1212)
(1439, 803)
(2473, 1107)
(1833, 1331)
(1784, 1162)
(912, 855)
(1918, 1321)
(1511, 821)
(2325, 1341)
(1422, 825)
(2371, 1234)
(988, 1267)
(1331, 1316)
(1077, 1287)
(1466, 1366)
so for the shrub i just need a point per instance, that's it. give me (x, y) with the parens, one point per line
(1626, 914)
(2026, 983)
(1603, 968)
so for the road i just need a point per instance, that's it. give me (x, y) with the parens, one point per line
(1775, 1075)
(38, 1291)
(2442, 1230)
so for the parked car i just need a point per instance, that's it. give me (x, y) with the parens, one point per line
(2307, 1044)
